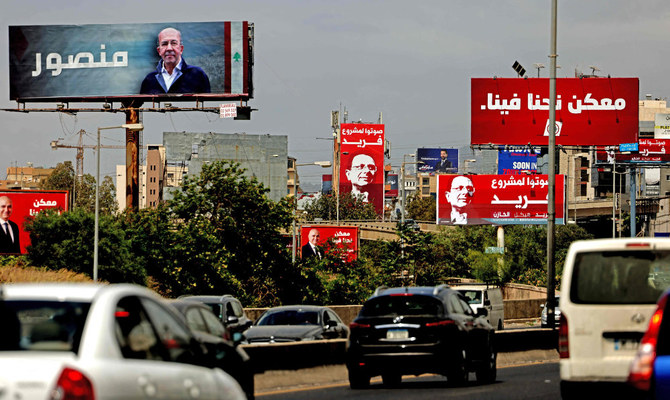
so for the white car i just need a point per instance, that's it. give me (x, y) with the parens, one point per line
(90, 341)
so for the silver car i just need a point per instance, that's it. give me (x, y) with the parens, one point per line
(100, 342)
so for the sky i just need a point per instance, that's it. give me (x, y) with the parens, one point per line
(410, 62)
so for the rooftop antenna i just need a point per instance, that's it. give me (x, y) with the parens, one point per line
(538, 66)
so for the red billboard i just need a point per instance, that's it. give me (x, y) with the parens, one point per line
(589, 111)
(343, 237)
(497, 199)
(25, 204)
(362, 162)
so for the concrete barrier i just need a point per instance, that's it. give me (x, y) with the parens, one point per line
(299, 355)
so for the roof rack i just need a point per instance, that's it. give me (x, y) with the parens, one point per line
(439, 288)
(379, 290)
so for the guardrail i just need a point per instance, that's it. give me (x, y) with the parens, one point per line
(298, 355)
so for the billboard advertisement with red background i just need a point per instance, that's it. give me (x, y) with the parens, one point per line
(363, 145)
(344, 237)
(497, 199)
(27, 203)
(589, 111)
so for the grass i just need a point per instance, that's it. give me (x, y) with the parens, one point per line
(14, 269)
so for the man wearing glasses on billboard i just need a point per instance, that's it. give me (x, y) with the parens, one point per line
(459, 196)
(173, 75)
(361, 174)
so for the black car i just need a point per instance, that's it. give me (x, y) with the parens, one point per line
(296, 323)
(417, 330)
(223, 353)
(229, 310)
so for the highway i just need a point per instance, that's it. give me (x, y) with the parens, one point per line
(534, 381)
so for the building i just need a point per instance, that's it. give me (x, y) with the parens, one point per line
(25, 178)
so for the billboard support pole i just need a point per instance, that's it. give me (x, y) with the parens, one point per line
(633, 202)
(132, 157)
(551, 206)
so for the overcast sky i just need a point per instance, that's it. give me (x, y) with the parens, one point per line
(410, 60)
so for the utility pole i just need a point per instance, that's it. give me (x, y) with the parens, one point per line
(551, 206)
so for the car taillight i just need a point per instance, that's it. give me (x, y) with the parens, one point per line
(441, 323)
(563, 340)
(642, 367)
(356, 325)
(73, 385)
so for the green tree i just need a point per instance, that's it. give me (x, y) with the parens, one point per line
(230, 236)
(421, 208)
(62, 178)
(351, 208)
(65, 241)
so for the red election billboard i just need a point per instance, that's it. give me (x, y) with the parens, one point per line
(344, 237)
(589, 111)
(26, 204)
(497, 199)
(362, 162)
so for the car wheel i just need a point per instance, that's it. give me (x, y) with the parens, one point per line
(486, 372)
(391, 379)
(458, 373)
(358, 379)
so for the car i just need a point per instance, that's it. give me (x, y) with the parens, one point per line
(482, 295)
(417, 330)
(296, 323)
(608, 296)
(209, 331)
(412, 224)
(96, 341)
(229, 310)
(650, 370)
(557, 314)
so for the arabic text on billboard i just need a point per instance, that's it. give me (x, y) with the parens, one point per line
(589, 112)
(497, 199)
(344, 238)
(124, 60)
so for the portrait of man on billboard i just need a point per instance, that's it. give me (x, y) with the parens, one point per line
(9, 230)
(361, 173)
(173, 75)
(443, 165)
(312, 248)
(459, 196)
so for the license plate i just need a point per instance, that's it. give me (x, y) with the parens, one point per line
(625, 344)
(397, 334)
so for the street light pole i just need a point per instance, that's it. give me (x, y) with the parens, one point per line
(96, 228)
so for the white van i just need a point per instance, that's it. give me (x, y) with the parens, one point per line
(481, 295)
(609, 291)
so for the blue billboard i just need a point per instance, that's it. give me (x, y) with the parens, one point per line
(437, 160)
(515, 162)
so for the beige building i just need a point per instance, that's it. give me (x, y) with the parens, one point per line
(25, 178)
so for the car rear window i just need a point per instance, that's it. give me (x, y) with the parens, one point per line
(290, 317)
(620, 277)
(42, 325)
(402, 305)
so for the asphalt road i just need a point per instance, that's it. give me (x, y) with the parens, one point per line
(535, 381)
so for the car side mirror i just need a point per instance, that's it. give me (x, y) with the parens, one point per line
(482, 312)
(232, 320)
(331, 324)
(542, 306)
(487, 302)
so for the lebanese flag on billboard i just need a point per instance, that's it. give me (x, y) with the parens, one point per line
(362, 162)
(589, 111)
(497, 199)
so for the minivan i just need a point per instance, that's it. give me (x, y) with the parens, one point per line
(609, 291)
(482, 295)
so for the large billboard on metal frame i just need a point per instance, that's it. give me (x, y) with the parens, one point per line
(101, 62)
(589, 111)
(497, 199)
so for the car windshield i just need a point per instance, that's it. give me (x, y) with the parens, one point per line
(472, 296)
(401, 305)
(42, 325)
(620, 277)
(290, 317)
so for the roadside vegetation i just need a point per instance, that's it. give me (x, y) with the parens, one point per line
(221, 234)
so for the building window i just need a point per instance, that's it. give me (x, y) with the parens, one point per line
(425, 181)
(425, 190)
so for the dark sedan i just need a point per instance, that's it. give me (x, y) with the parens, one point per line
(296, 323)
(223, 353)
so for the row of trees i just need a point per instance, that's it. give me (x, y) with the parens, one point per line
(221, 234)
